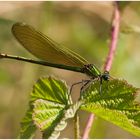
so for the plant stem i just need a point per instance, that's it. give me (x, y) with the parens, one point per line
(109, 59)
(77, 129)
(88, 126)
(114, 38)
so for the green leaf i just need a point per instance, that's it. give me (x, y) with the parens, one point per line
(52, 90)
(49, 103)
(118, 104)
(52, 106)
(28, 127)
(54, 131)
(47, 115)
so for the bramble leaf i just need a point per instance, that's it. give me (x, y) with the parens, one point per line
(52, 106)
(52, 90)
(28, 127)
(49, 107)
(117, 103)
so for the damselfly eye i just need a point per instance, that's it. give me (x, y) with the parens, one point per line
(106, 76)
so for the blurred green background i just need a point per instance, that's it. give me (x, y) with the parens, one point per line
(84, 27)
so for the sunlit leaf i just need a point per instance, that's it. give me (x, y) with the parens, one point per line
(51, 90)
(117, 104)
(28, 127)
(48, 102)
(52, 106)
(53, 131)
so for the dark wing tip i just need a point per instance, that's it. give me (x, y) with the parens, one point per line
(16, 25)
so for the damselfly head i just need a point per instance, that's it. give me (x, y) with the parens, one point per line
(106, 76)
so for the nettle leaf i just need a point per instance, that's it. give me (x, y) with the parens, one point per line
(118, 104)
(28, 127)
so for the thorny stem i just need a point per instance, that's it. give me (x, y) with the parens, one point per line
(109, 60)
(114, 38)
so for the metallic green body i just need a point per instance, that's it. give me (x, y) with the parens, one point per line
(91, 70)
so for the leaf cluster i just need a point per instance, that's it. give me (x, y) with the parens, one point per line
(51, 106)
